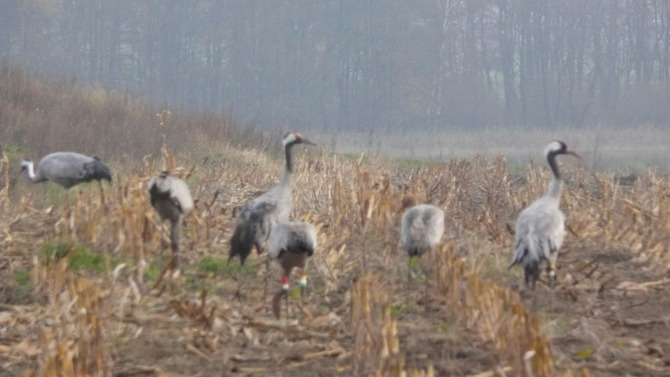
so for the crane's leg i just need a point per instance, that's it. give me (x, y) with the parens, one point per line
(286, 299)
(410, 264)
(551, 273)
(102, 193)
(267, 276)
(239, 283)
(276, 302)
(303, 286)
(530, 283)
(284, 288)
(175, 227)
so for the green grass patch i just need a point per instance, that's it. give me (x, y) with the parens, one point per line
(586, 353)
(215, 266)
(404, 164)
(151, 273)
(401, 308)
(22, 277)
(443, 327)
(80, 257)
(23, 284)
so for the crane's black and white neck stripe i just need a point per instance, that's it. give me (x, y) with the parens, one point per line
(552, 150)
(289, 140)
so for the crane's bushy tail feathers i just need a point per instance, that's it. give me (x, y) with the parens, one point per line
(520, 253)
(242, 241)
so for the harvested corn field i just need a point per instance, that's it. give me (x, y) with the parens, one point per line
(83, 290)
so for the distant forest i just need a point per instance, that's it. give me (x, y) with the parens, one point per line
(360, 64)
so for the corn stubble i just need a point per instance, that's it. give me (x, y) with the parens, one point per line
(356, 208)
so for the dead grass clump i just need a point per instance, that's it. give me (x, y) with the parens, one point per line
(496, 314)
(376, 345)
(73, 333)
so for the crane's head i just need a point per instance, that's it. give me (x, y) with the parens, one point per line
(26, 165)
(558, 147)
(293, 138)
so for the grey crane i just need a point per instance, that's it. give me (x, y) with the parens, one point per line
(421, 227)
(259, 215)
(68, 169)
(540, 227)
(290, 244)
(172, 199)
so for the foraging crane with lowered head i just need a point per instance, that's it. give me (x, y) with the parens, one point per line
(421, 228)
(257, 218)
(172, 199)
(68, 169)
(540, 228)
(290, 244)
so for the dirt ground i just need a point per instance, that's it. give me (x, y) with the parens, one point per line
(609, 314)
(606, 315)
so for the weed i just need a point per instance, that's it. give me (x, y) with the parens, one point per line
(53, 251)
(442, 327)
(80, 257)
(216, 266)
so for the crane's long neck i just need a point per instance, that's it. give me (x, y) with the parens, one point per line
(28, 166)
(556, 183)
(288, 171)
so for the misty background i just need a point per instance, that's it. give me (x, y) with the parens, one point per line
(364, 65)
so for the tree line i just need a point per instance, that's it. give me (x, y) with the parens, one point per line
(360, 64)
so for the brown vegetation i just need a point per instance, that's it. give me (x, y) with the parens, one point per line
(460, 315)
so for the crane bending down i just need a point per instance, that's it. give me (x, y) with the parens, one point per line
(259, 215)
(290, 244)
(540, 228)
(421, 228)
(172, 199)
(68, 169)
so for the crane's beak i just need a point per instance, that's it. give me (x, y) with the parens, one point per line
(305, 141)
(573, 153)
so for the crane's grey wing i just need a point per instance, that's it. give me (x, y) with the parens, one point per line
(433, 218)
(298, 238)
(252, 228)
(422, 227)
(242, 241)
(181, 195)
(539, 234)
(302, 239)
(64, 168)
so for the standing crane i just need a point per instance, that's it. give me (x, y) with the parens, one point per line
(259, 215)
(540, 228)
(290, 244)
(421, 227)
(172, 199)
(68, 169)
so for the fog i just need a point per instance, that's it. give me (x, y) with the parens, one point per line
(362, 66)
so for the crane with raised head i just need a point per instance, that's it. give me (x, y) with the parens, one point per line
(68, 169)
(257, 218)
(291, 244)
(172, 199)
(540, 227)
